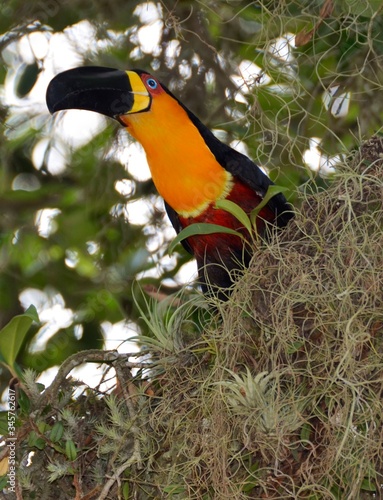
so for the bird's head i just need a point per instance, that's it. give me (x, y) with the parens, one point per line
(178, 147)
(108, 91)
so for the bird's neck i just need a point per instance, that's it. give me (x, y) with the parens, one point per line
(184, 170)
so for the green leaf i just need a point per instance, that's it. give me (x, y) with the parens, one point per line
(24, 402)
(200, 228)
(70, 450)
(295, 346)
(306, 432)
(3, 480)
(57, 432)
(3, 423)
(35, 441)
(126, 491)
(13, 334)
(236, 210)
(367, 485)
(174, 489)
(271, 192)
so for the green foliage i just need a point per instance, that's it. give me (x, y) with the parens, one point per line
(12, 337)
(57, 432)
(237, 211)
(201, 228)
(68, 238)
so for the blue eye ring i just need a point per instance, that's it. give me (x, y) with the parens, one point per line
(151, 82)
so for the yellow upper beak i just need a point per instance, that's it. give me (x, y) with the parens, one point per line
(141, 101)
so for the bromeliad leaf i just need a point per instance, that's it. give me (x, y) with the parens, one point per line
(236, 210)
(12, 335)
(271, 191)
(200, 228)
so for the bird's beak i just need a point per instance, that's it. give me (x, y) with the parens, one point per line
(108, 91)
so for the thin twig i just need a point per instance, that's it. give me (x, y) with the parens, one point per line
(133, 416)
(117, 474)
(90, 356)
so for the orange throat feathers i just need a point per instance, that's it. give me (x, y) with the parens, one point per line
(184, 170)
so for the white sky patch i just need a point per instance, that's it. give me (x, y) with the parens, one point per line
(166, 263)
(92, 247)
(220, 134)
(61, 56)
(337, 103)
(124, 187)
(148, 12)
(26, 50)
(77, 127)
(71, 258)
(82, 36)
(280, 88)
(39, 152)
(185, 70)
(240, 146)
(148, 36)
(239, 97)
(210, 77)
(281, 47)
(47, 376)
(56, 159)
(55, 318)
(45, 221)
(39, 298)
(52, 312)
(250, 75)
(172, 51)
(187, 274)
(34, 46)
(91, 374)
(25, 182)
(318, 162)
(235, 113)
(139, 211)
(134, 158)
(117, 336)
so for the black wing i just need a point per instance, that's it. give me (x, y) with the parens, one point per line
(244, 169)
(249, 173)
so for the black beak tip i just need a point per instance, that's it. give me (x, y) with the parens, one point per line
(51, 97)
(102, 90)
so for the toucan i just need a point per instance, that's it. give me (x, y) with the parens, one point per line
(191, 168)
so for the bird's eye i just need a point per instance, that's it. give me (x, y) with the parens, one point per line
(151, 83)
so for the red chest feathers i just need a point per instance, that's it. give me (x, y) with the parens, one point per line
(205, 246)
